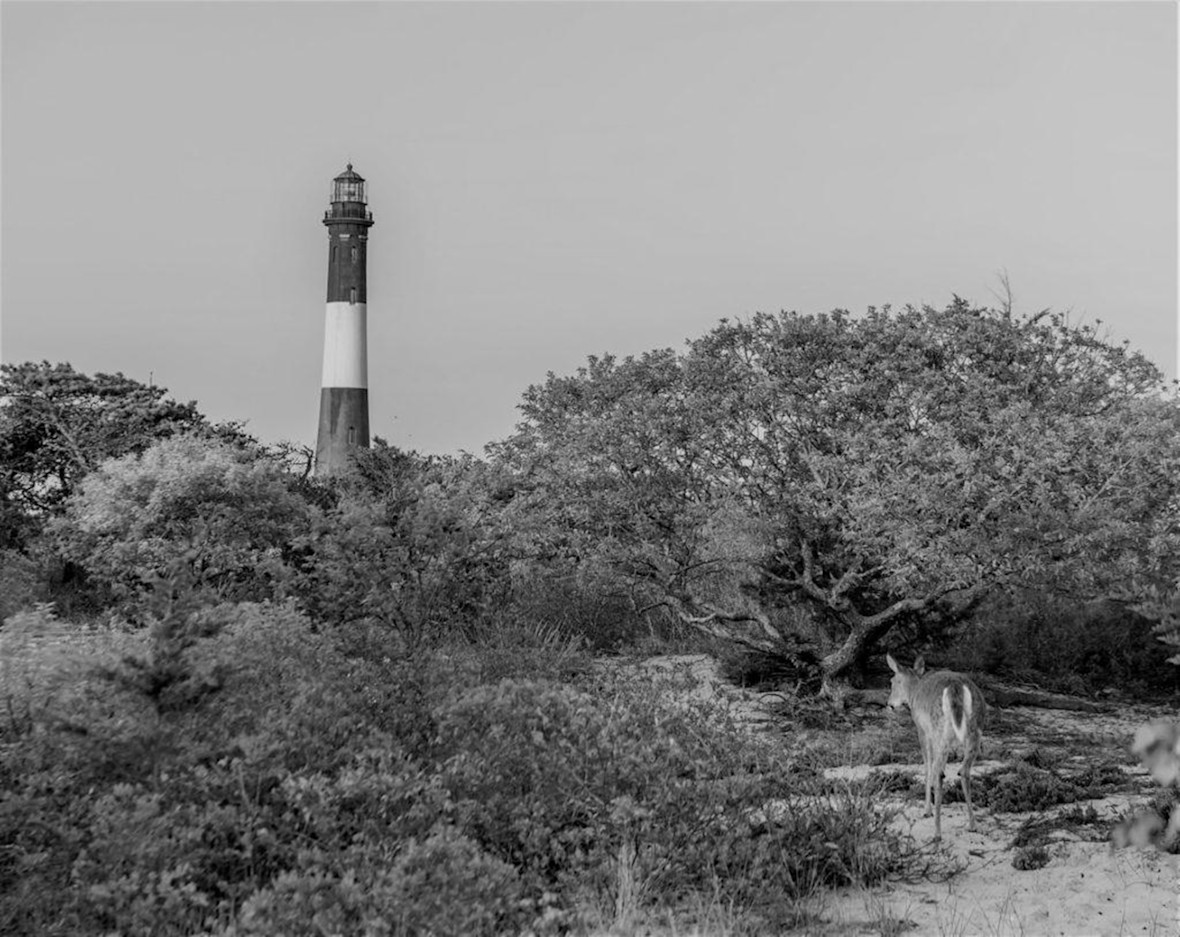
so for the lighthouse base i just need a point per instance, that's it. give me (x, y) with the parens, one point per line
(344, 426)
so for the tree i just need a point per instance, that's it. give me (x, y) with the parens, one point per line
(869, 470)
(413, 544)
(56, 425)
(224, 512)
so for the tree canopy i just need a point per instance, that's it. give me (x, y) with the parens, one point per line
(223, 512)
(862, 469)
(57, 424)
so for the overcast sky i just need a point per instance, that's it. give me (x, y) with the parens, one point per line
(554, 180)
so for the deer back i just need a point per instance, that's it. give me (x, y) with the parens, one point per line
(927, 707)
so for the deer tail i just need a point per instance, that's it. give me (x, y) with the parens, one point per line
(951, 702)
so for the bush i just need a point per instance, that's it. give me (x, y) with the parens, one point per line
(223, 509)
(1023, 788)
(595, 789)
(139, 873)
(119, 812)
(415, 566)
(309, 904)
(443, 884)
(604, 621)
(515, 760)
(21, 584)
(1065, 647)
(791, 666)
(243, 772)
(1030, 857)
(48, 683)
(447, 885)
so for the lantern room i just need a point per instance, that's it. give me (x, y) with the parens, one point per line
(348, 199)
(348, 187)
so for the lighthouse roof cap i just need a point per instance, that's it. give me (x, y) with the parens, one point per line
(349, 175)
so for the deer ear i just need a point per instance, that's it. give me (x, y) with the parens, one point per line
(892, 663)
(920, 666)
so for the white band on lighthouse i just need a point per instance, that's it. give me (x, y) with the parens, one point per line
(345, 356)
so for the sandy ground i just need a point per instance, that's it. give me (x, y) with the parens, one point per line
(1086, 888)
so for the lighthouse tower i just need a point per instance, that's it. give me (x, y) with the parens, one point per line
(344, 397)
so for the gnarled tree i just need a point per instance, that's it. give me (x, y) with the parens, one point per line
(861, 470)
(57, 424)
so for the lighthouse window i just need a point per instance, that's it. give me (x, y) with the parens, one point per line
(352, 435)
(352, 294)
(355, 254)
(333, 253)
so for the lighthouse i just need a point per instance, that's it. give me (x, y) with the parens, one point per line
(344, 394)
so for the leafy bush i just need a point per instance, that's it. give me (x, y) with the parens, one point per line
(599, 786)
(20, 583)
(155, 818)
(308, 904)
(1030, 857)
(139, 873)
(1081, 821)
(56, 425)
(515, 761)
(223, 509)
(604, 620)
(447, 885)
(243, 772)
(380, 798)
(1022, 788)
(1065, 647)
(443, 884)
(47, 682)
(423, 558)
(505, 647)
(792, 666)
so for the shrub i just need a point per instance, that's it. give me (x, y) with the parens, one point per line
(614, 790)
(1030, 857)
(308, 904)
(604, 620)
(222, 508)
(379, 799)
(442, 884)
(153, 782)
(137, 873)
(446, 884)
(1080, 821)
(506, 647)
(515, 762)
(1065, 646)
(792, 666)
(50, 696)
(1022, 788)
(20, 583)
(252, 774)
(418, 549)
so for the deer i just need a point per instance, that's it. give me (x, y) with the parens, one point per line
(949, 711)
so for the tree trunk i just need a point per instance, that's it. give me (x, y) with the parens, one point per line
(835, 666)
(866, 630)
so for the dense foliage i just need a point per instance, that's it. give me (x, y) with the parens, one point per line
(367, 705)
(56, 425)
(414, 544)
(228, 511)
(870, 470)
(280, 783)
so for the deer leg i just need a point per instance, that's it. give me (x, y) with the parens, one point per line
(928, 766)
(939, 767)
(965, 780)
